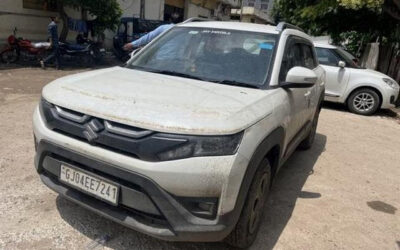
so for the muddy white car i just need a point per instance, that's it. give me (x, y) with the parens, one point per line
(364, 91)
(184, 142)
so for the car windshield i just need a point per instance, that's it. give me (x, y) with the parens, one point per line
(231, 57)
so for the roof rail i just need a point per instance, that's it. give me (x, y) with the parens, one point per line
(195, 19)
(284, 25)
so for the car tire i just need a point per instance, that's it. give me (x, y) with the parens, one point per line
(309, 140)
(364, 101)
(246, 229)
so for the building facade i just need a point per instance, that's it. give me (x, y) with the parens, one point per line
(31, 17)
(254, 11)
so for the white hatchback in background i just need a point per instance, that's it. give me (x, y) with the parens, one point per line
(364, 91)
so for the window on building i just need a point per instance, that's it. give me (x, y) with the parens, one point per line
(46, 5)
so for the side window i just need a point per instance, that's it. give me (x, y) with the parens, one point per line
(293, 57)
(309, 58)
(327, 57)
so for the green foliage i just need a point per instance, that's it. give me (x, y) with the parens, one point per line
(353, 41)
(107, 13)
(356, 22)
(358, 4)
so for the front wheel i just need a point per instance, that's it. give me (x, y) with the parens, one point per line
(245, 231)
(9, 56)
(87, 60)
(364, 102)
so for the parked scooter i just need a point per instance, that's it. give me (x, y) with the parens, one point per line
(19, 48)
(87, 51)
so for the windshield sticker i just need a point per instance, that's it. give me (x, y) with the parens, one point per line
(193, 32)
(218, 32)
(267, 46)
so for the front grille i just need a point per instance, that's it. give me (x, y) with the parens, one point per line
(397, 104)
(131, 141)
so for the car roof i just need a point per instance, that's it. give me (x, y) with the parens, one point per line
(252, 27)
(325, 46)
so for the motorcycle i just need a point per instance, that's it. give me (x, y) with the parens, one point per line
(87, 51)
(20, 48)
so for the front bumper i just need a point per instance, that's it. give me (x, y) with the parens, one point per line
(151, 193)
(143, 205)
(391, 98)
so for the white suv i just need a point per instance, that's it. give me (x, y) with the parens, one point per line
(363, 90)
(184, 142)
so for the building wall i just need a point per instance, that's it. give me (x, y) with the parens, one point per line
(258, 11)
(197, 11)
(30, 23)
(153, 9)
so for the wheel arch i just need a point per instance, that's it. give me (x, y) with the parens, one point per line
(271, 148)
(366, 86)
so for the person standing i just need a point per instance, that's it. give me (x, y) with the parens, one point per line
(55, 53)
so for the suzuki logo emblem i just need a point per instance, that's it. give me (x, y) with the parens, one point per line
(91, 130)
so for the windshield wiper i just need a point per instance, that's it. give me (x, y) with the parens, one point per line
(175, 73)
(167, 72)
(236, 83)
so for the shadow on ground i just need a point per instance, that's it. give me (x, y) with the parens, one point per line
(286, 189)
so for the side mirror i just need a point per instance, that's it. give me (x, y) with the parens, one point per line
(299, 77)
(342, 64)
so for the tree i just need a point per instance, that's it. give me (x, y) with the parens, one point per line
(362, 20)
(106, 12)
(391, 7)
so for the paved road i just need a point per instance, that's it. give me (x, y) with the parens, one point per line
(344, 193)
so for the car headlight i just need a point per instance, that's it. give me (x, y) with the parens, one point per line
(390, 82)
(204, 146)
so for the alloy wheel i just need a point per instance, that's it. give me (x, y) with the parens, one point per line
(363, 102)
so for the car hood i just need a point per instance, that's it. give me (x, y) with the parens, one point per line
(160, 102)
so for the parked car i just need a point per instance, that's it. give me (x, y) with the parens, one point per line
(184, 142)
(364, 91)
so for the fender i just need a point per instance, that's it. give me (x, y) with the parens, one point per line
(363, 83)
(275, 138)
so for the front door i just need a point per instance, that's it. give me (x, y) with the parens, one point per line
(298, 98)
(337, 78)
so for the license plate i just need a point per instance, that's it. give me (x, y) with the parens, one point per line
(90, 184)
(102, 50)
